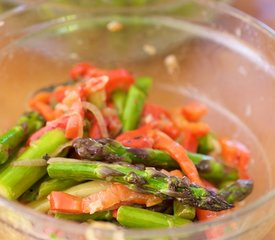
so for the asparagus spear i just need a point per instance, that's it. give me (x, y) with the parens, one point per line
(184, 210)
(237, 191)
(119, 98)
(144, 84)
(50, 185)
(11, 140)
(15, 180)
(100, 216)
(206, 144)
(32, 193)
(141, 218)
(148, 181)
(110, 150)
(133, 108)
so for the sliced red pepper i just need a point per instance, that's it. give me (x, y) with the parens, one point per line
(119, 79)
(94, 131)
(194, 111)
(153, 112)
(236, 155)
(41, 103)
(74, 127)
(59, 93)
(190, 142)
(80, 70)
(44, 109)
(56, 124)
(66, 203)
(111, 198)
(159, 118)
(137, 138)
(198, 129)
(177, 152)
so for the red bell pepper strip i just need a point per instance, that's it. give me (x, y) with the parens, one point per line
(136, 138)
(111, 198)
(198, 129)
(177, 152)
(159, 118)
(119, 79)
(64, 202)
(190, 142)
(56, 124)
(41, 103)
(80, 70)
(194, 111)
(94, 131)
(236, 155)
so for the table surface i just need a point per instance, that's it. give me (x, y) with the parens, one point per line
(263, 10)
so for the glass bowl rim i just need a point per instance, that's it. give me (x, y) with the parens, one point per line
(221, 8)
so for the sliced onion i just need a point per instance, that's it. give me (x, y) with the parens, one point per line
(99, 118)
(30, 163)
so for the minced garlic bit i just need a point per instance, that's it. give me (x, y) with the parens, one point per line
(149, 49)
(114, 26)
(171, 63)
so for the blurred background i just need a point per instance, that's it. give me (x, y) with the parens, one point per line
(264, 10)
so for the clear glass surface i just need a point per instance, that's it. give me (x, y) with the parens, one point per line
(223, 58)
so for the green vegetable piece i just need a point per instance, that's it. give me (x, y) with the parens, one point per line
(133, 109)
(14, 137)
(132, 217)
(237, 191)
(15, 180)
(50, 185)
(109, 149)
(148, 181)
(206, 143)
(32, 193)
(183, 210)
(100, 216)
(119, 98)
(144, 84)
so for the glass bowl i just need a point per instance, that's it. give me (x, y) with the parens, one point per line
(220, 57)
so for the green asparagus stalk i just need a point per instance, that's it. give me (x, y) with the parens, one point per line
(184, 210)
(141, 218)
(32, 193)
(133, 108)
(119, 98)
(144, 84)
(15, 180)
(206, 144)
(14, 137)
(81, 190)
(110, 150)
(100, 216)
(237, 191)
(50, 185)
(148, 181)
